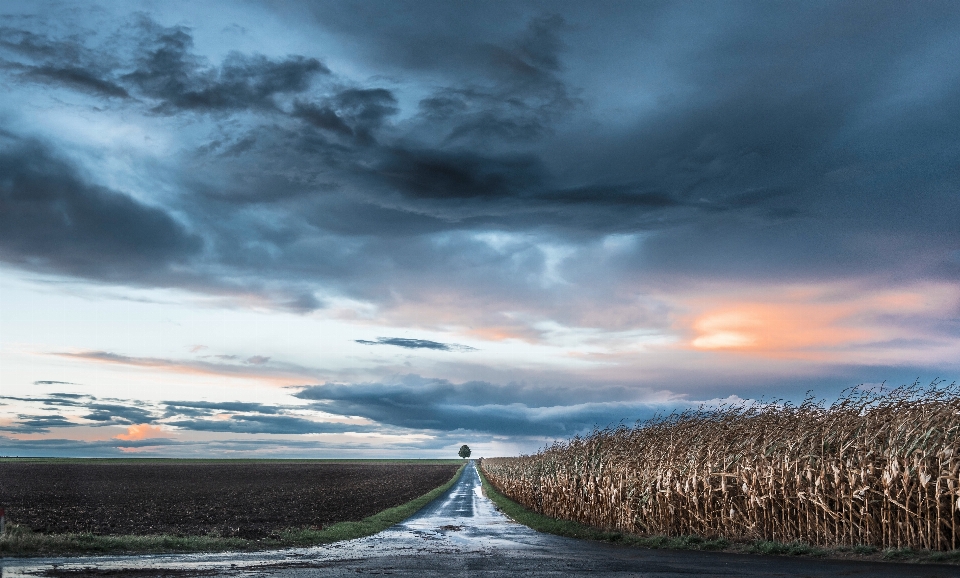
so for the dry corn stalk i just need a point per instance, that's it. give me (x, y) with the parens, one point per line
(879, 468)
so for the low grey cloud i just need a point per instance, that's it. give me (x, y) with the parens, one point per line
(111, 413)
(418, 403)
(98, 412)
(410, 403)
(54, 399)
(416, 344)
(48, 382)
(209, 416)
(197, 408)
(268, 424)
(51, 219)
(285, 448)
(32, 424)
(60, 447)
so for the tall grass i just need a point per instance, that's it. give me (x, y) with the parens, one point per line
(876, 468)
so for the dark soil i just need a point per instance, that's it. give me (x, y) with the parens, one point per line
(248, 500)
(94, 572)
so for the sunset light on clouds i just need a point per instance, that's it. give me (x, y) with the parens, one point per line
(141, 432)
(348, 229)
(835, 324)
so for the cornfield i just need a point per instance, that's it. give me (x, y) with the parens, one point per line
(877, 468)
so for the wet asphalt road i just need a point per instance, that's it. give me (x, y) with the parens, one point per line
(462, 534)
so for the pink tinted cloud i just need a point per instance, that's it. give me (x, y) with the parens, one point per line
(143, 431)
(827, 323)
(256, 368)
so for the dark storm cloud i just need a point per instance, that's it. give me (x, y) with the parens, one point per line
(475, 406)
(773, 141)
(416, 344)
(352, 112)
(165, 69)
(68, 63)
(457, 175)
(519, 91)
(168, 70)
(323, 117)
(766, 105)
(346, 217)
(52, 219)
(37, 45)
(501, 69)
(79, 78)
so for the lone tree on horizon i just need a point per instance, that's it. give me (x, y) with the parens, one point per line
(464, 451)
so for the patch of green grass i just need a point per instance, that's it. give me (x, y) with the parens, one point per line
(21, 541)
(691, 542)
(951, 557)
(785, 548)
(899, 554)
(912, 555)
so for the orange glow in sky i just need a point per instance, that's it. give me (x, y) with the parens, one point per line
(143, 431)
(817, 322)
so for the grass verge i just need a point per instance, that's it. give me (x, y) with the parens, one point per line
(21, 541)
(542, 523)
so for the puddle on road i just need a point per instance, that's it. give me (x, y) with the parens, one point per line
(451, 528)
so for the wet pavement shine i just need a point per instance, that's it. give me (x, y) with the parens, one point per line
(461, 534)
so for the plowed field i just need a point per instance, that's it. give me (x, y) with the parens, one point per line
(246, 499)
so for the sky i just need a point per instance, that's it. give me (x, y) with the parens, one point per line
(385, 229)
